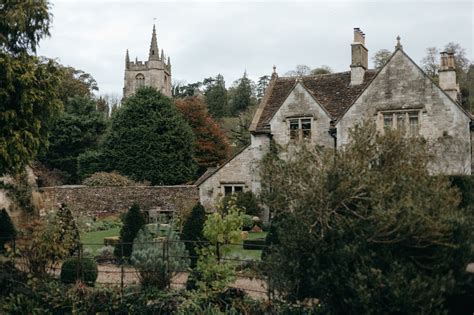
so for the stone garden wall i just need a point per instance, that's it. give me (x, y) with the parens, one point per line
(100, 201)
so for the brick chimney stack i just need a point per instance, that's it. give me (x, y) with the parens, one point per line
(360, 57)
(447, 75)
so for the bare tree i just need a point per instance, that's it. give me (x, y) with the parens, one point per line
(380, 58)
(301, 70)
(430, 63)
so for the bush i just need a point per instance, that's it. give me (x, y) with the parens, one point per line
(367, 232)
(246, 201)
(256, 244)
(105, 253)
(132, 223)
(7, 229)
(465, 184)
(192, 232)
(158, 258)
(108, 179)
(247, 222)
(84, 269)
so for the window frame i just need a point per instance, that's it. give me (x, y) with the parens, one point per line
(401, 120)
(300, 133)
(232, 186)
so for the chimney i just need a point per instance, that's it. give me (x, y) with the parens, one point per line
(447, 75)
(360, 57)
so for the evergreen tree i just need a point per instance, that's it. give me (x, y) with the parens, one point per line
(211, 145)
(7, 229)
(68, 227)
(242, 95)
(103, 107)
(29, 86)
(132, 223)
(262, 84)
(150, 140)
(192, 232)
(216, 96)
(77, 131)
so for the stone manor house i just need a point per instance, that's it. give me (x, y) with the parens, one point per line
(320, 110)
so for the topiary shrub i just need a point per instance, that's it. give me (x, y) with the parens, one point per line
(246, 201)
(192, 231)
(7, 229)
(108, 179)
(256, 244)
(84, 269)
(133, 221)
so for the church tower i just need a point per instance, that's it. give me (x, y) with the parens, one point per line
(156, 72)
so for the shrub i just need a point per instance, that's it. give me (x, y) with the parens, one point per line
(367, 232)
(465, 184)
(132, 223)
(105, 253)
(158, 258)
(246, 201)
(192, 232)
(84, 269)
(7, 229)
(247, 222)
(91, 162)
(108, 179)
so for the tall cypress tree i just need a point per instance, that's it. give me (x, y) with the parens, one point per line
(192, 232)
(132, 223)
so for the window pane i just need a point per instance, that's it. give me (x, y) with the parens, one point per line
(388, 121)
(306, 128)
(294, 126)
(413, 124)
(238, 188)
(227, 190)
(401, 121)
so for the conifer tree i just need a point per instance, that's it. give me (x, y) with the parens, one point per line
(150, 140)
(132, 223)
(192, 232)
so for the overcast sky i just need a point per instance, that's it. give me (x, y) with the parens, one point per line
(206, 38)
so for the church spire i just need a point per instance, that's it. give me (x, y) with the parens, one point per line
(127, 59)
(154, 53)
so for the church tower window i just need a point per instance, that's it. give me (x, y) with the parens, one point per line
(140, 80)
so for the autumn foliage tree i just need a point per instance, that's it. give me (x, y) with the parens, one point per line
(211, 144)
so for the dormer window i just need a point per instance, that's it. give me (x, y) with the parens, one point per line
(300, 129)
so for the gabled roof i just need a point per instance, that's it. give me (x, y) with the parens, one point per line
(332, 91)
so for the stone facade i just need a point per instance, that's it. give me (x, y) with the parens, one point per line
(97, 201)
(156, 72)
(322, 109)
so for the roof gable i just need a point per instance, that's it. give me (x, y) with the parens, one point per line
(332, 92)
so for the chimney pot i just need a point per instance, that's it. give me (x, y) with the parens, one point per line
(447, 75)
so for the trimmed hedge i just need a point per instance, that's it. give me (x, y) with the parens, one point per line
(74, 269)
(256, 244)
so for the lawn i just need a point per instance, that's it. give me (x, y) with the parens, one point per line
(237, 249)
(95, 240)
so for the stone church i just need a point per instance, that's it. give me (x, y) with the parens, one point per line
(321, 109)
(155, 72)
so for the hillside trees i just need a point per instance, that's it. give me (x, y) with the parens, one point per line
(149, 140)
(242, 95)
(216, 96)
(28, 93)
(211, 146)
(366, 232)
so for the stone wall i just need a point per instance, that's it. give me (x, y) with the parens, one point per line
(109, 200)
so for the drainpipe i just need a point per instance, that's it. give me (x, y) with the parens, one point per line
(333, 133)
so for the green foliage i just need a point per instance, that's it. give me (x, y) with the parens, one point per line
(90, 162)
(224, 228)
(366, 232)
(76, 131)
(465, 184)
(216, 96)
(21, 193)
(157, 258)
(7, 229)
(22, 25)
(28, 102)
(380, 58)
(84, 269)
(247, 222)
(149, 140)
(132, 223)
(108, 179)
(256, 244)
(46, 242)
(193, 232)
(242, 95)
(247, 201)
(75, 83)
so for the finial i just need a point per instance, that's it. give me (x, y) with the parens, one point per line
(274, 69)
(399, 45)
(274, 74)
